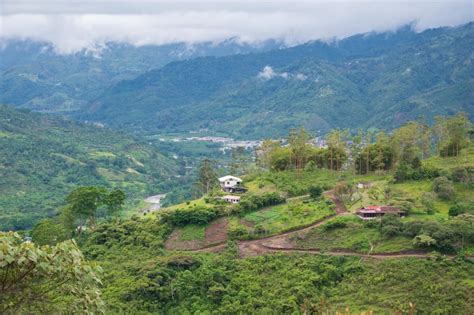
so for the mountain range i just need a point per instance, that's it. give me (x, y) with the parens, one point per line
(369, 80)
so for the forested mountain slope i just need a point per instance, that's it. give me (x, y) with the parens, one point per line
(42, 158)
(34, 76)
(369, 80)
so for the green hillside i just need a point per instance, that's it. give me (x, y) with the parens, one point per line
(371, 80)
(34, 76)
(42, 158)
(267, 260)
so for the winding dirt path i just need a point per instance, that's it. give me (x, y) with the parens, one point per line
(284, 243)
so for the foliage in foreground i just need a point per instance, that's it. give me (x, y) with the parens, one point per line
(46, 280)
(141, 276)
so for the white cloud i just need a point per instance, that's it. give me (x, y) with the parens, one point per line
(268, 73)
(301, 77)
(88, 24)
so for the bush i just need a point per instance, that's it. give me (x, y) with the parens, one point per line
(193, 215)
(443, 187)
(460, 208)
(332, 225)
(254, 202)
(463, 175)
(390, 225)
(315, 191)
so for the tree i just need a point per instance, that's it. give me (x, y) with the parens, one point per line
(337, 148)
(46, 279)
(114, 201)
(356, 151)
(452, 134)
(463, 227)
(83, 202)
(405, 142)
(443, 187)
(264, 153)
(207, 177)
(297, 141)
(49, 232)
(427, 200)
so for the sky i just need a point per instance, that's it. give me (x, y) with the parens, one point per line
(75, 25)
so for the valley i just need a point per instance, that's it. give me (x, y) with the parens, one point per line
(235, 175)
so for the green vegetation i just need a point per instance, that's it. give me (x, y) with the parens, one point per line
(139, 275)
(350, 233)
(192, 232)
(288, 216)
(46, 279)
(43, 158)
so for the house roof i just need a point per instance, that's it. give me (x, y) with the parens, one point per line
(231, 197)
(229, 177)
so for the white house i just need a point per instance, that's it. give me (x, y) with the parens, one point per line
(231, 199)
(231, 184)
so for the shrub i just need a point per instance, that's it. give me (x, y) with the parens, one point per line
(194, 215)
(424, 240)
(254, 202)
(390, 225)
(463, 175)
(332, 225)
(443, 187)
(315, 191)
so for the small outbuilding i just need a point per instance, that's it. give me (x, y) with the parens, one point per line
(373, 212)
(231, 199)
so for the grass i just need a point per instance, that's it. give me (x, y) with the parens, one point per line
(355, 236)
(196, 202)
(365, 196)
(277, 219)
(192, 232)
(415, 189)
(465, 159)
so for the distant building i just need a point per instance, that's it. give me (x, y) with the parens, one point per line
(373, 212)
(231, 199)
(231, 184)
(362, 185)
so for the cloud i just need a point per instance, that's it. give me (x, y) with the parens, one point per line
(87, 24)
(268, 73)
(301, 77)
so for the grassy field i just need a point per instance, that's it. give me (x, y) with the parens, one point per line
(355, 236)
(192, 232)
(277, 219)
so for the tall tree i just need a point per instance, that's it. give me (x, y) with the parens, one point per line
(207, 176)
(298, 143)
(452, 134)
(83, 202)
(336, 142)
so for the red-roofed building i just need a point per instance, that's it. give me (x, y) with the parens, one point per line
(373, 212)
